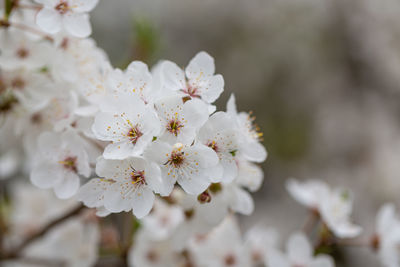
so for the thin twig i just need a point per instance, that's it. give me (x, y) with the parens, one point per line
(353, 243)
(311, 221)
(34, 7)
(39, 261)
(14, 253)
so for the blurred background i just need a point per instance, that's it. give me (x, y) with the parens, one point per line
(321, 76)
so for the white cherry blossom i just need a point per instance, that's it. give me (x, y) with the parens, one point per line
(125, 185)
(179, 120)
(62, 159)
(18, 50)
(298, 253)
(71, 15)
(259, 241)
(333, 205)
(188, 165)
(130, 129)
(219, 133)
(221, 247)
(387, 236)
(249, 139)
(197, 81)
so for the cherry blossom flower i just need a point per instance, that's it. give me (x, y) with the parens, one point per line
(219, 133)
(259, 241)
(163, 220)
(387, 237)
(151, 252)
(126, 185)
(221, 247)
(71, 15)
(135, 81)
(18, 50)
(333, 205)
(130, 129)
(185, 164)
(299, 253)
(180, 120)
(197, 81)
(63, 159)
(249, 139)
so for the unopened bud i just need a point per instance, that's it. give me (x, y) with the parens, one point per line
(204, 197)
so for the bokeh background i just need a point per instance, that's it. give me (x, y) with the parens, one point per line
(321, 76)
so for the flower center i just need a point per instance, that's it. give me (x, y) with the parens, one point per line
(174, 126)
(18, 83)
(22, 53)
(134, 134)
(191, 91)
(62, 7)
(212, 145)
(230, 260)
(176, 159)
(69, 163)
(152, 256)
(137, 177)
(7, 102)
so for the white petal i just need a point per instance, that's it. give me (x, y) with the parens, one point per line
(193, 184)
(119, 150)
(254, 151)
(195, 112)
(157, 152)
(113, 169)
(77, 24)
(49, 20)
(204, 155)
(385, 217)
(92, 193)
(49, 144)
(212, 89)
(173, 76)
(154, 180)
(46, 175)
(68, 186)
(142, 202)
(322, 261)
(299, 249)
(230, 169)
(250, 175)
(277, 259)
(231, 106)
(83, 5)
(118, 197)
(201, 65)
(242, 201)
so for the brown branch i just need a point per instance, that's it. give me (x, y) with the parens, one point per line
(14, 253)
(312, 219)
(41, 262)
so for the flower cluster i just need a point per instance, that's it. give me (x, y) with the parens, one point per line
(146, 141)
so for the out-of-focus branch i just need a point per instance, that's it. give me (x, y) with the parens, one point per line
(41, 262)
(15, 252)
(311, 221)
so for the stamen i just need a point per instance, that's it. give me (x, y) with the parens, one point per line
(134, 134)
(62, 7)
(137, 177)
(212, 145)
(22, 53)
(174, 126)
(69, 163)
